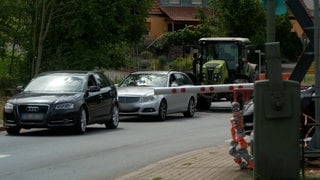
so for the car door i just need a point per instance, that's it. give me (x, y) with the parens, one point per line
(176, 101)
(94, 100)
(107, 95)
(181, 100)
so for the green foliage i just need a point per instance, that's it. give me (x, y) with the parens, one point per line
(7, 82)
(145, 64)
(93, 35)
(12, 71)
(159, 64)
(290, 44)
(146, 54)
(247, 18)
(188, 35)
(162, 61)
(181, 64)
(241, 18)
(82, 34)
(192, 33)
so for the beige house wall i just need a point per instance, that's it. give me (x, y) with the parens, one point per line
(297, 28)
(156, 26)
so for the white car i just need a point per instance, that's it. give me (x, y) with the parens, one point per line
(136, 95)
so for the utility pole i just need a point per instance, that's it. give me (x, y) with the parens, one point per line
(277, 115)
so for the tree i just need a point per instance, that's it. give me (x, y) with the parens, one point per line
(290, 45)
(89, 34)
(247, 18)
(241, 18)
(13, 31)
(43, 15)
(190, 35)
(71, 34)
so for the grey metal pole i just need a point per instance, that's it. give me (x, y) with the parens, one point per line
(271, 30)
(317, 70)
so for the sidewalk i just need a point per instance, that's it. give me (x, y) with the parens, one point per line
(204, 164)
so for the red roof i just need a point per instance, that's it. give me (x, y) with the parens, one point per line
(180, 13)
(175, 13)
(155, 10)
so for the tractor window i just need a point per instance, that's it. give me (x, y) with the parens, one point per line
(229, 53)
(209, 52)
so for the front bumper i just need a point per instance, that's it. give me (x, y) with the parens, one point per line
(44, 118)
(138, 108)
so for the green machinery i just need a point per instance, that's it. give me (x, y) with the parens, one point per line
(223, 60)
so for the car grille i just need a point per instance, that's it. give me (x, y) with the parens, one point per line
(128, 99)
(32, 113)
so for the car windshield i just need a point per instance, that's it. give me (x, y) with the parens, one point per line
(56, 83)
(150, 80)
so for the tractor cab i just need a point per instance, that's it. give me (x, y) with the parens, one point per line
(224, 60)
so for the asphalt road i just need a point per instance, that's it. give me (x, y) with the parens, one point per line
(107, 154)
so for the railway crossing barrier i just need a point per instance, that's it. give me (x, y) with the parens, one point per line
(202, 88)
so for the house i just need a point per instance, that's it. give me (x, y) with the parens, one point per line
(172, 15)
(308, 5)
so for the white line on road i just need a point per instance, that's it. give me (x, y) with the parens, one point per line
(4, 155)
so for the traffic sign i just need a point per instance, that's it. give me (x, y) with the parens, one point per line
(280, 7)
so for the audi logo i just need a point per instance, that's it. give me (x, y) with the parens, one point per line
(32, 108)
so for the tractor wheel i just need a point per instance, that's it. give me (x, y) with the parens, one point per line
(203, 103)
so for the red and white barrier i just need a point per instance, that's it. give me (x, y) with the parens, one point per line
(202, 88)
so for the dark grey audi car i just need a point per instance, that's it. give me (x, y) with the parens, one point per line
(55, 99)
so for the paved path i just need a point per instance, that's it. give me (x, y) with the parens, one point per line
(212, 163)
(203, 164)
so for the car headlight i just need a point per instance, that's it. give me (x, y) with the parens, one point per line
(8, 108)
(147, 98)
(65, 106)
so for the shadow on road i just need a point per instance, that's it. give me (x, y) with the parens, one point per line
(56, 132)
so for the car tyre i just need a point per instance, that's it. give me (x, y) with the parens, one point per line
(162, 111)
(13, 130)
(81, 124)
(191, 108)
(113, 122)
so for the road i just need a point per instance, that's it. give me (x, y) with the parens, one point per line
(107, 154)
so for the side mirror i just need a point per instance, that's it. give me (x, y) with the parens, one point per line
(174, 84)
(94, 88)
(20, 88)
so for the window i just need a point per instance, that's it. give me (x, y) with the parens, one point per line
(91, 81)
(196, 2)
(102, 80)
(182, 79)
(174, 1)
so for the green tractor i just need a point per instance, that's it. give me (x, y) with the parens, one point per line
(223, 60)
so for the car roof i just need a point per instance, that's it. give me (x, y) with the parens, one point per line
(225, 39)
(155, 72)
(79, 72)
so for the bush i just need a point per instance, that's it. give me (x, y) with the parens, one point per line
(181, 64)
(146, 54)
(144, 64)
(7, 82)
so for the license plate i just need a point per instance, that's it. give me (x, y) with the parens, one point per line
(33, 116)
